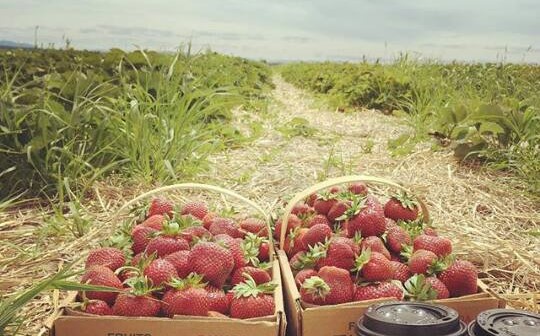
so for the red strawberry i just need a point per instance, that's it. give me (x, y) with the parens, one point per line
(318, 219)
(397, 238)
(338, 254)
(338, 210)
(179, 260)
(402, 207)
(132, 305)
(400, 271)
(217, 300)
(297, 262)
(314, 290)
(334, 190)
(101, 276)
(358, 188)
(376, 245)
(369, 221)
(225, 226)
(255, 226)
(163, 245)
(301, 209)
(196, 209)
(303, 275)
(160, 272)
(292, 224)
(193, 232)
(460, 278)
(160, 206)
(252, 300)
(155, 222)
(373, 266)
(423, 262)
(324, 203)
(141, 235)
(377, 291)
(109, 257)
(395, 257)
(439, 287)
(311, 199)
(355, 247)
(317, 234)
(256, 247)
(438, 245)
(260, 276)
(430, 231)
(98, 307)
(238, 253)
(339, 282)
(294, 242)
(264, 251)
(209, 219)
(190, 301)
(212, 261)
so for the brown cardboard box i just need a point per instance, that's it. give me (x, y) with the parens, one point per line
(339, 320)
(72, 323)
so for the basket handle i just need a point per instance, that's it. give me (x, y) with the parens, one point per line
(201, 186)
(336, 181)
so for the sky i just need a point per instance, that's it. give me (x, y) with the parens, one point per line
(466, 30)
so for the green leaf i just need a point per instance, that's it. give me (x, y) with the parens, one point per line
(490, 127)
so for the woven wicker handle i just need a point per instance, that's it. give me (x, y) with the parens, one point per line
(336, 181)
(200, 186)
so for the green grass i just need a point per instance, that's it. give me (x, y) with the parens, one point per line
(485, 112)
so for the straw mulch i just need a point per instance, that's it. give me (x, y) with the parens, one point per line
(485, 214)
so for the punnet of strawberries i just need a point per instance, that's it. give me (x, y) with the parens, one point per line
(183, 260)
(345, 245)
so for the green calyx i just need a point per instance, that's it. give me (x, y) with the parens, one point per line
(310, 258)
(361, 260)
(250, 288)
(441, 264)
(326, 196)
(357, 204)
(193, 280)
(141, 286)
(316, 287)
(405, 200)
(250, 247)
(417, 288)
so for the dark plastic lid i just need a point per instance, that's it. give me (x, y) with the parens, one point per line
(505, 322)
(410, 319)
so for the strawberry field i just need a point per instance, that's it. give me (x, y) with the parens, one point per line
(92, 146)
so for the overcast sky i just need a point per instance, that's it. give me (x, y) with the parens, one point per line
(282, 30)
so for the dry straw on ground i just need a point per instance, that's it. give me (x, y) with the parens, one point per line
(487, 217)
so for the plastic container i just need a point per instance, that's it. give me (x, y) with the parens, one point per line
(505, 322)
(410, 319)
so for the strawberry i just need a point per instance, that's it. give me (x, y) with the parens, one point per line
(460, 278)
(294, 241)
(163, 245)
(260, 276)
(255, 226)
(264, 251)
(160, 272)
(98, 307)
(196, 209)
(213, 262)
(160, 206)
(311, 199)
(324, 203)
(395, 257)
(373, 266)
(109, 257)
(256, 247)
(438, 245)
(424, 288)
(430, 231)
(401, 206)
(217, 300)
(303, 275)
(369, 221)
(376, 245)
(101, 276)
(225, 226)
(339, 284)
(314, 290)
(424, 262)
(439, 287)
(133, 305)
(316, 220)
(179, 260)
(358, 188)
(186, 297)
(378, 291)
(337, 210)
(338, 254)
(195, 232)
(317, 234)
(301, 209)
(292, 224)
(238, 253)
(209, 219)
(355, 246)
(141, 235)
(334, 190)
(155, 222)
(252, 300)
(397, 238)
(400, 271)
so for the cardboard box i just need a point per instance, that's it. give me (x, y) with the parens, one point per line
(339, 320)
(73, 323)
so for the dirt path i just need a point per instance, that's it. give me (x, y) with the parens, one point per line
(486, 219)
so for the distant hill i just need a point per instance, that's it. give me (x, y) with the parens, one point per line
(11, 44)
